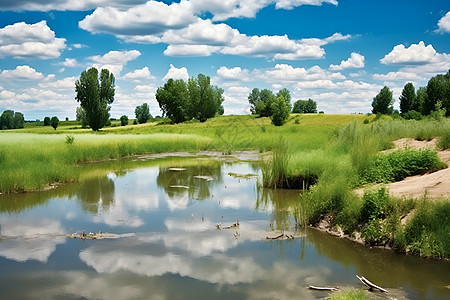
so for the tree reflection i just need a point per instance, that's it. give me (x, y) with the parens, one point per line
(96, 193)
(283, 205)
(192, 182)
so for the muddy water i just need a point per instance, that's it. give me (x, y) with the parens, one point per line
(165, 212)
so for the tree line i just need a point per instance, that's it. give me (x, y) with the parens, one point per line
(11, 120)
(433, 99)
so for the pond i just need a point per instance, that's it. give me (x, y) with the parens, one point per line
(186, 228)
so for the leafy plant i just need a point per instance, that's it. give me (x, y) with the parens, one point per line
(70, 139)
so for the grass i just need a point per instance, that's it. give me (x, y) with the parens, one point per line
(349, 294)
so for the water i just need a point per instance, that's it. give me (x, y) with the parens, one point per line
(170, 247)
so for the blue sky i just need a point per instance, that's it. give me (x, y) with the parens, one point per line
(338, 52)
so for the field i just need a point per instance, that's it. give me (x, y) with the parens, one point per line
(327, 155)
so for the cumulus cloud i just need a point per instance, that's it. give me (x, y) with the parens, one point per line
(356, 61)
(444, 24)
(284, 73)
(21, 73)
(139, 74)
(413, 55)
(22, 40)
(397, 76)
(150, 18)
(70, 62)
(176, 73)
(233, 74)
(190, 50)
(67, 83)
(114, 60)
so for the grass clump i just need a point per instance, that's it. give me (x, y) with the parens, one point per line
(349, 294)
(398, 165)
(444, 141)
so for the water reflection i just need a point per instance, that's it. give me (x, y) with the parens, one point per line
(96, 194)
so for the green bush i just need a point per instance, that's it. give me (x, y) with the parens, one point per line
(444, 141)
(398, 165)
(374, 204)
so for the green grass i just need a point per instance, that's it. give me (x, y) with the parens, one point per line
(349, 294)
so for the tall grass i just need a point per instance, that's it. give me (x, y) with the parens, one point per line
(349, 294)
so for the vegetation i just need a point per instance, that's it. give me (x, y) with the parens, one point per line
(280, 111)
(123, 120)
(383, 103)
(305, 106)
(264, 103)
(47, 121)
(54, 122)
(196, 99)
(11, 120)
(95, 96)
(350, 294)
(142, 113)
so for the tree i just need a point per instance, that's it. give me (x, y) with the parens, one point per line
(95, 93)
(47, 121)
(305, 106)
(19, 120)
(54, 122)
(142, 113)
(408, 98)
(438, 89)
(421, 96)
(205, 99)
(81, 117)
(383, 103)
(11, 120)
(173, 99)
(124, 120)
(280, 111)
(198, 99)
(287, 96)
(261, 102)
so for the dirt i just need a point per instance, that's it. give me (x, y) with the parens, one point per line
(434, 185)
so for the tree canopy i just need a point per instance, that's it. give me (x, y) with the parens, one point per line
(305, 106)
(438, 89)
(383, 103)
(95, 93)
(195, 99)
(280, 111)
(54, 122)
(408, 99)
(11, 120)
(142, 113)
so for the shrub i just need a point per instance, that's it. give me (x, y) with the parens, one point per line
(412, 115)
(374, 204)
(123, 120)
(444, 141)
(70, 139)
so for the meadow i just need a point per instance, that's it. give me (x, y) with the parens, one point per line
(326, 155)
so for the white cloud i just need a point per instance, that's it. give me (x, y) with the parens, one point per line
(114, 60)
(226, 9)
(139, 74)
(233, 74)
(290, 4)
(22, 40)
(190, 50)
(22, 73)
(67, 83)
(151, 18)
(397, 76)
(70, 62)
(176, 73)
(415, 54)
(355, 61)
(284, 73)
(444, 24)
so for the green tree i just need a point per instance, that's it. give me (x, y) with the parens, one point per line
(261, 102)
(81, 117)
(19, 120)
(142, 113)
(305, 106)
(173, 100)
(47, 121)
(7, 120)
(124, 120)
(438, 89)
(54, 122)
(383, 103)
(95, 93)
(408, 98)
(206, 99)
(421, 96)
(280, 111)
(287, 96)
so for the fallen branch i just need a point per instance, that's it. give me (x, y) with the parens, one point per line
(318, 288)
(275, 237)
(370, 285)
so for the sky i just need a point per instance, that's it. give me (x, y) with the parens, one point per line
(339, 53)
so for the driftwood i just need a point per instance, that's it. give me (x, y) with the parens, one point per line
(370, 285)
(281, 235)
(328, 289)
(97, 236)
(234, 225)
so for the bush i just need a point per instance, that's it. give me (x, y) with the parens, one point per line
(398, 165)
(374, 204)
(70, 139)
(412, 115)
(124, 120)
(444, 141)
(47, 121)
